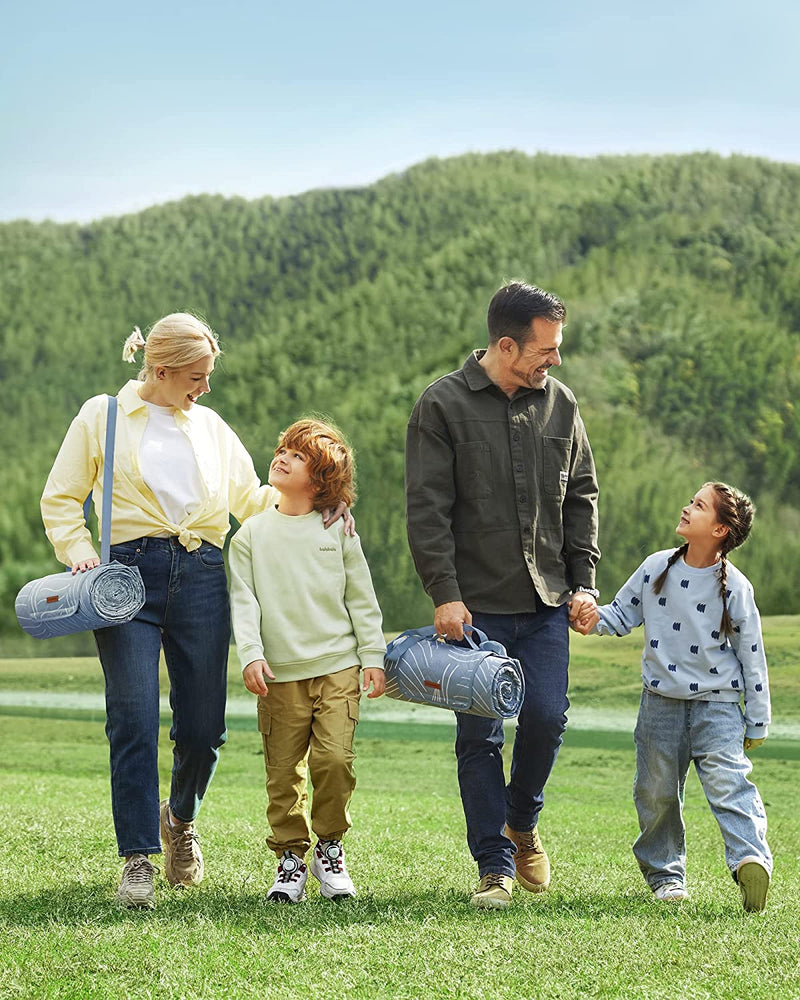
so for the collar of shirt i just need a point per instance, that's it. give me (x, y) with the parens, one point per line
(131, 401)
(476, 377)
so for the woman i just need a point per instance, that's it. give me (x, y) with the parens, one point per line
(179, 471)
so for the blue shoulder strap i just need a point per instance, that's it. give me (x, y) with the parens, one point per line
(108, 483)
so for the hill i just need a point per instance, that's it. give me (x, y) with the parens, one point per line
(681, 276)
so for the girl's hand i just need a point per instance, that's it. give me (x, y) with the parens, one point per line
(254, 675)
(330, 517)
(376, 677)
(750, 743)
(81, 567)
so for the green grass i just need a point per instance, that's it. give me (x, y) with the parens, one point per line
(411, 932)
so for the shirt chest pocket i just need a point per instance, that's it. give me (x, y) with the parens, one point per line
(556, 465)
(474, 472)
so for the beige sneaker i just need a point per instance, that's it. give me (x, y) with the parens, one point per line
(533, 864)
(493, 892)
(183, 859)
(753, 879)
(136, 888)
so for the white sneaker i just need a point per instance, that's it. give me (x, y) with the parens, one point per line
(290, 882)
(670, 892)
(328, 866)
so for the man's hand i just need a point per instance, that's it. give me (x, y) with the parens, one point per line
(583, 614)
(751, 744)
(254, 675)
(449, 619)
(376, 677)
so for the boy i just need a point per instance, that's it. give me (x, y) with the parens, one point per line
(305, 618)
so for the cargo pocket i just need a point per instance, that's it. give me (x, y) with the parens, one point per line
(556, 465)
(264, 727)
(353, 708)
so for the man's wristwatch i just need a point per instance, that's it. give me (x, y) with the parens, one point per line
(586, 590)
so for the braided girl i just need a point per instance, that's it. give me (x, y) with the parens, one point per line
(703, 651)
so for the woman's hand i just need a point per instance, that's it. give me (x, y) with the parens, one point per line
(330, 517)
(81, 567)
(254, 675)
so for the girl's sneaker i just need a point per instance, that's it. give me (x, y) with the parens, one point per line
(670, 892)
(328, 866)
(290, 882)
(753, 879)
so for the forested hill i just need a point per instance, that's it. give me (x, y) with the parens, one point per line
(681, 276)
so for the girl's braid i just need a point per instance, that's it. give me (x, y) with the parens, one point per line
(662, 578)
(735, 511)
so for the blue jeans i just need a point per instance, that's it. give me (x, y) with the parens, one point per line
(188, 613)
(540, 641)
(671, 734)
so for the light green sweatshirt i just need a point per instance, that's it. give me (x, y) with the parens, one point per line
(302, 597)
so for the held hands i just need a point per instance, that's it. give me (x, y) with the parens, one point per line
(750, 743)
(583, 614)
(254, 675)
(376, 677)
(449, 619)
(85, 564)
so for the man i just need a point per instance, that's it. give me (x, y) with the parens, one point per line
(501, 498)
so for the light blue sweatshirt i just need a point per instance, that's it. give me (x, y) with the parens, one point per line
(685, 655)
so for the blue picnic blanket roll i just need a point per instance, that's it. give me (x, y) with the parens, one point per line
(60, 604)
(476, 679)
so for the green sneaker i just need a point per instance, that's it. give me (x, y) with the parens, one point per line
(136, 889)
(493, 892)
(183, 859)
(753, 879)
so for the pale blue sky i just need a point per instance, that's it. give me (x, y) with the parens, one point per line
(107, 108)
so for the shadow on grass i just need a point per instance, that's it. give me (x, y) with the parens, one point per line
(93, 904)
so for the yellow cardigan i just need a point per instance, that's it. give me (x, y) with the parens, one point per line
(230, 483)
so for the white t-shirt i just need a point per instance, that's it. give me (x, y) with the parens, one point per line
(168, 464)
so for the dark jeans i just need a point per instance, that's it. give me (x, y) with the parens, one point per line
(540, 641)
(188, 613)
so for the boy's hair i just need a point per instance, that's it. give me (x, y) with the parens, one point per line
(330, 460)
(515, 306)
(735, 511)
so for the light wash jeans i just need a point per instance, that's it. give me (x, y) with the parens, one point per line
(188, 614)
(671, 734)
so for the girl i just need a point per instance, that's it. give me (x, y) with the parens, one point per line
(179, 473)
(703, 651)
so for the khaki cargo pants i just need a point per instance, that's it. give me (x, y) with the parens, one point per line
(307, 727)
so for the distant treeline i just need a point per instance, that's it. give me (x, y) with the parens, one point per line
(681, 276)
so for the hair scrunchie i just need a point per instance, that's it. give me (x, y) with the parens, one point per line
(134, 343)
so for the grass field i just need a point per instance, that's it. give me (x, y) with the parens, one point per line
(411, 932)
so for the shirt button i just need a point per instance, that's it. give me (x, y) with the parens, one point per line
(523, 498)
(519, 467)
(515, 436)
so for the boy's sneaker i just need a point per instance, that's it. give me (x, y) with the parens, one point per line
(136, 889)
(328, 866)
(290, 882)
(753, 879)
(670, 892)
(183, 859)
(493, 892)
(533, 864)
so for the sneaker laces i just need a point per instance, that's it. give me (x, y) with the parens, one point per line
(333, 860)
(492, 879)
(138, 870)
(184, 843)
(289, 868)
(529, 841)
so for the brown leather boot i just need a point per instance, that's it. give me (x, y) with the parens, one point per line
(533, 864)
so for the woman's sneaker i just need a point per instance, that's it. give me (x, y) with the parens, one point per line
(136, 889)
(183, 859)
(290, 882)
(671, 892)
(328, 866)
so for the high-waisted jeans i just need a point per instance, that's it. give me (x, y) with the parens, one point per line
(540, 641)
(187, 611)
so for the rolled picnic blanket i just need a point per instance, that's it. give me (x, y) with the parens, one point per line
(481, 679)
(60, 604)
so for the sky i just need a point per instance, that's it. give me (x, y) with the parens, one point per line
(108, 108)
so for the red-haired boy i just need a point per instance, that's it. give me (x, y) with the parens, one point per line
(306, 619)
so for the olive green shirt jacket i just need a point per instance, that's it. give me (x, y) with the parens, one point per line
(501, 494)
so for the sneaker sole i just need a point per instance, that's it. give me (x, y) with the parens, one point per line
(336, 896)
(533, 886)
(284, 897)
(490, 904)
(753, 881)
(136, 904)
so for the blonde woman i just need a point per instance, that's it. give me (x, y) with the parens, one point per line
(179, 471)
